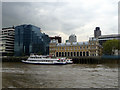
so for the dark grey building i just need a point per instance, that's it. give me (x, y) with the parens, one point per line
(102, 39)
(29, 39)
(97, 32)
(56, 38)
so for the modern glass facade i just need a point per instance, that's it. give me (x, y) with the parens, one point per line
(29, 39)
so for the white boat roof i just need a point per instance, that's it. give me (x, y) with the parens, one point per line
(37, 56)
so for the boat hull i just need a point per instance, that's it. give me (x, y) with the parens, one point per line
(44, 63)
(69, 62)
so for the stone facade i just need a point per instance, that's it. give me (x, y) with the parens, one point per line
(75, 49)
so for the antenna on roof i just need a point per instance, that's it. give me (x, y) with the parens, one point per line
(13, 27)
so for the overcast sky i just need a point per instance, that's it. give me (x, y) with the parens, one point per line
(63, 18)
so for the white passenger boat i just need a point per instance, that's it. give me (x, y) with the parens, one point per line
(40, 59)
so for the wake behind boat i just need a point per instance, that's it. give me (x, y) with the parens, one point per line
(46, 60)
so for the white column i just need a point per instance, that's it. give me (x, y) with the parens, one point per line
(89, 53)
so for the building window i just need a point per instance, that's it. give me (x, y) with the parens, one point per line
(83, 53)
(80, 53)
(68, 54)
(59, 54)
(83, 47)
(77, 53)
(74, 53)
(68, 48)
(71, 54)
(62, 54)
(56, 54)
(87, 53)
(80, 47)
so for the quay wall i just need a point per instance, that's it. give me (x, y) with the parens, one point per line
(94, 60)
(76, 60)
(13, 59)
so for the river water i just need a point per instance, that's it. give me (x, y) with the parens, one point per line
(20, 75)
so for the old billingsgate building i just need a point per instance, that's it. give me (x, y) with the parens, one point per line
(75, 49)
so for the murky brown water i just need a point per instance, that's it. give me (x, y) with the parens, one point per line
(22, 75)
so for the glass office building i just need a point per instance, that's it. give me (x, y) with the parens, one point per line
(29, 39)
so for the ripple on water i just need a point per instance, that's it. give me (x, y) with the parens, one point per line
(52, 76)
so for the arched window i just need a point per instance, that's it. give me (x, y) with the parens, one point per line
(62, 54)
(80, 53)
(74, 53)
(77, 53)
(87, 53)
(59, 54)
(68, 54)
(71, 54)
(83, 53)
(56, 54)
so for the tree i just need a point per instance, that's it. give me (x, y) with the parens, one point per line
(111, 45)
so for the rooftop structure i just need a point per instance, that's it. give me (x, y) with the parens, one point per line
(73, 44)
(97, 32)
(52, 46)
(72, 38)
(56, 38)
(104, 38)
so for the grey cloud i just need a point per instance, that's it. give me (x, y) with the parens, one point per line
(64, 17)
(14, 13)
